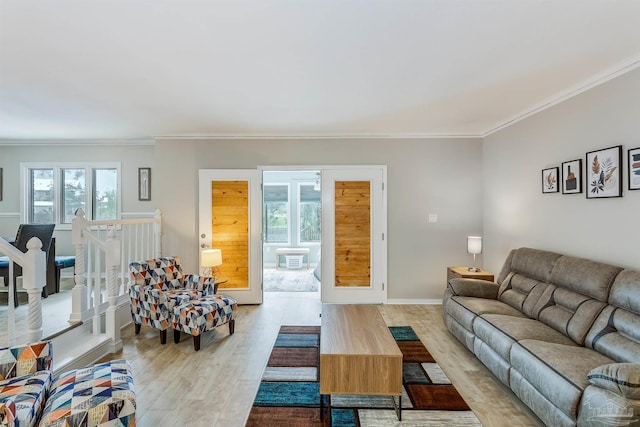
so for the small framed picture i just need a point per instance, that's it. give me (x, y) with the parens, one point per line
(572, 177)
(144, 184)
(550, 180)
(634, 170)
(604, 173)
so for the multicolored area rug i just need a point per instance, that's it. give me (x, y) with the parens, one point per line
(289, 393)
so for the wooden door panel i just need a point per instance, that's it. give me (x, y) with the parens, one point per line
(230, 230)
(352, 233)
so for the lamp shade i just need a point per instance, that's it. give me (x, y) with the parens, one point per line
(474, 244)
(211, 257)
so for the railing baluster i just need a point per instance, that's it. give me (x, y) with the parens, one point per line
(110, 243)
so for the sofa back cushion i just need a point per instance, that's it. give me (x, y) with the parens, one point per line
(524, 278)
(568, 312)
(163, 273)
(23, 360)
(564, 292)
(584, 276)
(533, 263)
(616, 332)
(522, 293)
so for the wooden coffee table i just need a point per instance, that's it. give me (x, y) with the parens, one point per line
(358, 354)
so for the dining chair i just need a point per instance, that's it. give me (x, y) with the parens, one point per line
(44, 232)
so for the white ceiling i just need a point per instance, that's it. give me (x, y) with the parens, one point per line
(138, 69)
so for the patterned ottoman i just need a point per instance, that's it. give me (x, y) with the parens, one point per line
(101, 395)
(201, 315)
(22, 398)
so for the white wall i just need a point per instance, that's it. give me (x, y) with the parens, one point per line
(440, 176)
(131, 157)
(516, 213)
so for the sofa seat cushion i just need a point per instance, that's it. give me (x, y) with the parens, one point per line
(466, 309)
(23, 398)
(101, 394)
(556, 371)
(500, 332)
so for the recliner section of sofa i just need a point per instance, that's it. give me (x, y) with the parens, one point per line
(548, 327)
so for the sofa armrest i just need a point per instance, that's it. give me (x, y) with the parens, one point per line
(206, 285)
(620, 378)
(473, 288)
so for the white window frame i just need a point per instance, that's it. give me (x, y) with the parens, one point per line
(58, 167)
(288, 185)
(299, 210)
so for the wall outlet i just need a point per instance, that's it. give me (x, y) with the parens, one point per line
(433, 217)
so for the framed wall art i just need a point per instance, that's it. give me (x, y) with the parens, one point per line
(550, 180)
(634, 170)
(144, 184)
(604, 173)
(572, 177)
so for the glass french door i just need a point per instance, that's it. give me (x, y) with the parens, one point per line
(353, 236)
(230, 219)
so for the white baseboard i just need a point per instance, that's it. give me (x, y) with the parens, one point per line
(415, 301)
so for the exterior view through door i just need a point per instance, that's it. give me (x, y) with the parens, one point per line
(291, 220)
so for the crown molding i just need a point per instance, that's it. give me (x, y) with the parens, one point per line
(77, 142)
(575, 90)
(319, 136)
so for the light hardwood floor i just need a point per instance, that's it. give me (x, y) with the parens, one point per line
(216, 386)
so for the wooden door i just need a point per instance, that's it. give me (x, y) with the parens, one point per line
(354, 245)
(229, 210)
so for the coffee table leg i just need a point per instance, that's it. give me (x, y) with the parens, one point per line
(397, 407)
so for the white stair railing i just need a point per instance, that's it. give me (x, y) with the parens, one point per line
(34, 264)
(103, 251)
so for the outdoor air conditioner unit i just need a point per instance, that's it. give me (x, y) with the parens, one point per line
(294, 262)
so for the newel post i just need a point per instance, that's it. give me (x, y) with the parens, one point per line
(112, 259)
(157, 234)
(33, 280)
(79, 293)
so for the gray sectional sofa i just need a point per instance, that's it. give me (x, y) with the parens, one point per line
(563, 333)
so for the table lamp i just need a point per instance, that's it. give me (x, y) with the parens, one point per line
(474, 246)
(210, 259)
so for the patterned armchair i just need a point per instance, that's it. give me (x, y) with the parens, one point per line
(157, 286)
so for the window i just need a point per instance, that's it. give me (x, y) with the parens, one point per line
(54, 193)
(105, 194)
(310, 213)
(275, 221)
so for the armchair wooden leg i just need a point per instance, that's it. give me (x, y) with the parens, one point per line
(176, 336)
(196, 342)
(163, 337)
(137, 328)
(232, 326)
